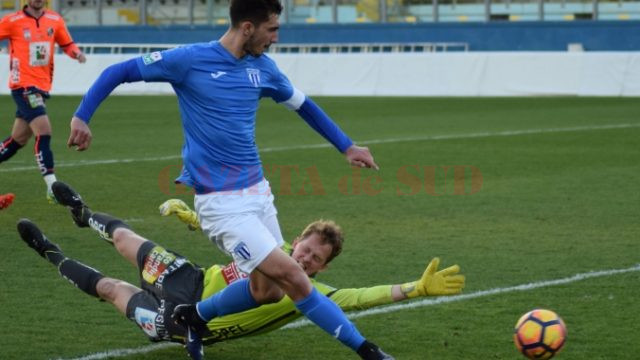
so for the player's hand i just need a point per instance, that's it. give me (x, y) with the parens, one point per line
(80, 135)
(360, 156)
(182, 211)
(81, 58)
(433, 282)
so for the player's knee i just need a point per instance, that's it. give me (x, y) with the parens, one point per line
(121, 237)
(107, 289)
(21, 138)
(295, 283)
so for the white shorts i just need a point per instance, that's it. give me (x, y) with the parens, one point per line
(242, 223)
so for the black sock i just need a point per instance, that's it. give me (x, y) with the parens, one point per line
(44, 156)
(106, 224)
(54, 255)
(82, 276)
(8, 148)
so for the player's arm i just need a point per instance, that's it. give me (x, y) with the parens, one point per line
(109, 79)
(5, 28)
(64, 40)
(432, 283)
(294, 99)
(315, 117)
(160, 66)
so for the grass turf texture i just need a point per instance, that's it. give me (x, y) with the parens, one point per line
(551, 205)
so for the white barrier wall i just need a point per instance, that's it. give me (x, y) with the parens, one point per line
(410, 74)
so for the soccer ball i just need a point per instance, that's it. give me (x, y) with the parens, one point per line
(540, 334)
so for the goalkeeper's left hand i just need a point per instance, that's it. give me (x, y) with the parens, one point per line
(434, 282)
(182, 211)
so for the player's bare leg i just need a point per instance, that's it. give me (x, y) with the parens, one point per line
(116, 292)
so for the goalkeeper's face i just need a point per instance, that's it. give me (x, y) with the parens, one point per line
(311, 253)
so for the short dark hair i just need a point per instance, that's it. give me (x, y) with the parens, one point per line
(256, 11)
(329, 232)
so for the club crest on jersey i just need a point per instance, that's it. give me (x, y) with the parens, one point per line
(148, 59)
(254, 76)
(50, 31)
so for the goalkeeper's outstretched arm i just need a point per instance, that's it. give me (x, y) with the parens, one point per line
(432, 283)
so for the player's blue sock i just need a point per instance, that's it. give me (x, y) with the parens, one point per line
(233, 299)
(327, 315)
(8, 148)
(44, 156)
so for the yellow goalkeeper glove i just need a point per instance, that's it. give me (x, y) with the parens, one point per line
(434, 282)
(182, 211)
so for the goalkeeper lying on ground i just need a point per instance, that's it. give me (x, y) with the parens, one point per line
(168, 279)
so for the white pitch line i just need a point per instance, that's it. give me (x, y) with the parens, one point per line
(125, 352)
(364, 142)
(477, 294)
(399, 307)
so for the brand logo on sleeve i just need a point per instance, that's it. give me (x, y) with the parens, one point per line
(148, 59)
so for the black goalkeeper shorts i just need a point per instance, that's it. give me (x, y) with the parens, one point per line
(167, 279)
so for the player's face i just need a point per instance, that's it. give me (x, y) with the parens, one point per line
(263, 36)
(36, 4)
(311, 254)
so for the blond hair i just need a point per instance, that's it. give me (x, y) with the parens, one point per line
(329, 232)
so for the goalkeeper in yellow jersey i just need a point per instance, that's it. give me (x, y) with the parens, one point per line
(168, 279)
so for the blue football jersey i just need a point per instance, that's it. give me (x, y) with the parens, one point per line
(218, 96)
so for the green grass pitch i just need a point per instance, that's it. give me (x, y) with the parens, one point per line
(514, 190)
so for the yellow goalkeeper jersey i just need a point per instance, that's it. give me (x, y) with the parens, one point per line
(273, 316)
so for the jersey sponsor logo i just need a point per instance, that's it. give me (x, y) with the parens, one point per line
(146, 320)
(172, 267)
(242, 251)
(156, 263)
(149, 59)
(226, 332)
(26, 33)
(100, 228)
(160, 326)
(217, 74)
(15, 70)
(254, 76)
(39, 53)
(230, 273)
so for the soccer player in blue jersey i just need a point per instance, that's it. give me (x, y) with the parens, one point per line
(219, 85)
